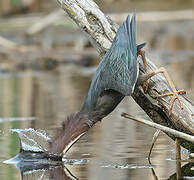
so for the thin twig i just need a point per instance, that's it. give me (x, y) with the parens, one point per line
(178, 158)
(155, 137)
(176, 133)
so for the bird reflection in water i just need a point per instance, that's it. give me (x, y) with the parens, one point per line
(51, 172)
(57, 170)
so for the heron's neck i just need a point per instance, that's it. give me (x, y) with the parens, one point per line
(102, 105)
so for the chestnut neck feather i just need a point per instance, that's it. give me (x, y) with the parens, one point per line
(73, 126)
(78, 123)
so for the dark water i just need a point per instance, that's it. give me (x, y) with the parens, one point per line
(116, 148)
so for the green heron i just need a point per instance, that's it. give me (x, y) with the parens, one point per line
(116, 77)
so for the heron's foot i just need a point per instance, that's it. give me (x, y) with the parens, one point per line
(175, 96)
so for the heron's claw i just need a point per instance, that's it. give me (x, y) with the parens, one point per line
(175, 95)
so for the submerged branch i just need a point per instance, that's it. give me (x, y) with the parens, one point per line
(101, 30)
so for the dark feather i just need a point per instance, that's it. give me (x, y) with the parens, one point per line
(140, 46)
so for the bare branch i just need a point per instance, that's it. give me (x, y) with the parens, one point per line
(177, 134)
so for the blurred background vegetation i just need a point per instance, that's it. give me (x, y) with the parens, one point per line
(10, 7)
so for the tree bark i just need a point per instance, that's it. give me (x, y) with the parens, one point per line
(101, 30)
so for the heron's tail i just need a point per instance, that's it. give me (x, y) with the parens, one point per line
(140, 46)
(129, 26)
(65, 136)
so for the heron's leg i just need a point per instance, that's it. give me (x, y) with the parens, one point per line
(142, 53)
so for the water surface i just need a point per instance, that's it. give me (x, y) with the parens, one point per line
(115, 148)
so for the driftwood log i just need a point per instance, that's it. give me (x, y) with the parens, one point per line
(101, 30)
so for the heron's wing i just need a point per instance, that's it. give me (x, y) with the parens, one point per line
(118, 72)
(132, 32)
(118, 69)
